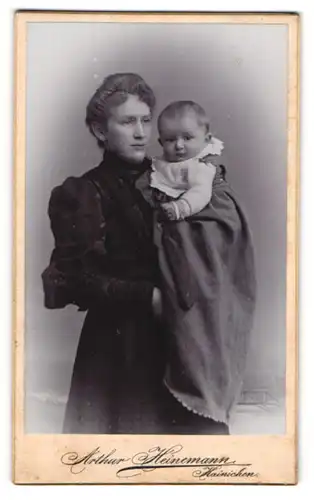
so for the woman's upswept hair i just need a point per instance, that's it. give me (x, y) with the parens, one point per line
(114, 91)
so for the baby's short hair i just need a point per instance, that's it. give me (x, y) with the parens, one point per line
(114, 91)
(179, 107)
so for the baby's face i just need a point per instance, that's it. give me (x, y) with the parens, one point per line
(182, 137)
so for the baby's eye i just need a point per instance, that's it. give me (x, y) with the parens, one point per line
(188, 138)
(170, 139)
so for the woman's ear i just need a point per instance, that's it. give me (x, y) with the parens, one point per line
(98, 131)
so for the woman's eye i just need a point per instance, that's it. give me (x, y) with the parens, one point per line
(188, 138)
(127, 121)
(147, 120)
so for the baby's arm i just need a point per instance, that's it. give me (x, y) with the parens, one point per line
(200, 180)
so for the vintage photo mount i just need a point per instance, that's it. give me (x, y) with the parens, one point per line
(127, 459)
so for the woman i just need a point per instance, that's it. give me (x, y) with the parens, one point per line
(105, 262)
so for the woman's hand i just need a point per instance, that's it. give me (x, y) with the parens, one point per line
(157, 302)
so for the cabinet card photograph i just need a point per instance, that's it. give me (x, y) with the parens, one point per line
(156, 222)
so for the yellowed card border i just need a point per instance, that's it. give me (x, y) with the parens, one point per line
(273, 456)
(157, 17)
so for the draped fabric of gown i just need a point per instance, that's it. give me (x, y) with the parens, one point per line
(208, 278)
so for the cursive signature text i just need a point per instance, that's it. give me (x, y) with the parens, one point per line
(201, 466)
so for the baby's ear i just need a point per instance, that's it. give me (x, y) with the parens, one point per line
(98, 131)
(208, 137)
(160, 141)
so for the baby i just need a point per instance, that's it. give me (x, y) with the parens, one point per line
(206, 265)
(184, 172)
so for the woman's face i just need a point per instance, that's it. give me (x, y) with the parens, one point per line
(128, 129)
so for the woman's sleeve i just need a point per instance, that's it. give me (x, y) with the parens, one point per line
(76, 273)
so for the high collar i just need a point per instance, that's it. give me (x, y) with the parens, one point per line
(123, 168)
(214, 148)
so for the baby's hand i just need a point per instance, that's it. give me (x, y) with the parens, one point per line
(169, 210)
(176, 210)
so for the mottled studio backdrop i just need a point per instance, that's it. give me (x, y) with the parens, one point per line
(238, 73)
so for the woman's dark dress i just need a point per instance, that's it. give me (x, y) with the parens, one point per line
(105, 262)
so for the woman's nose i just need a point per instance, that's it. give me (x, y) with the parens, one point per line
(139, 129)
